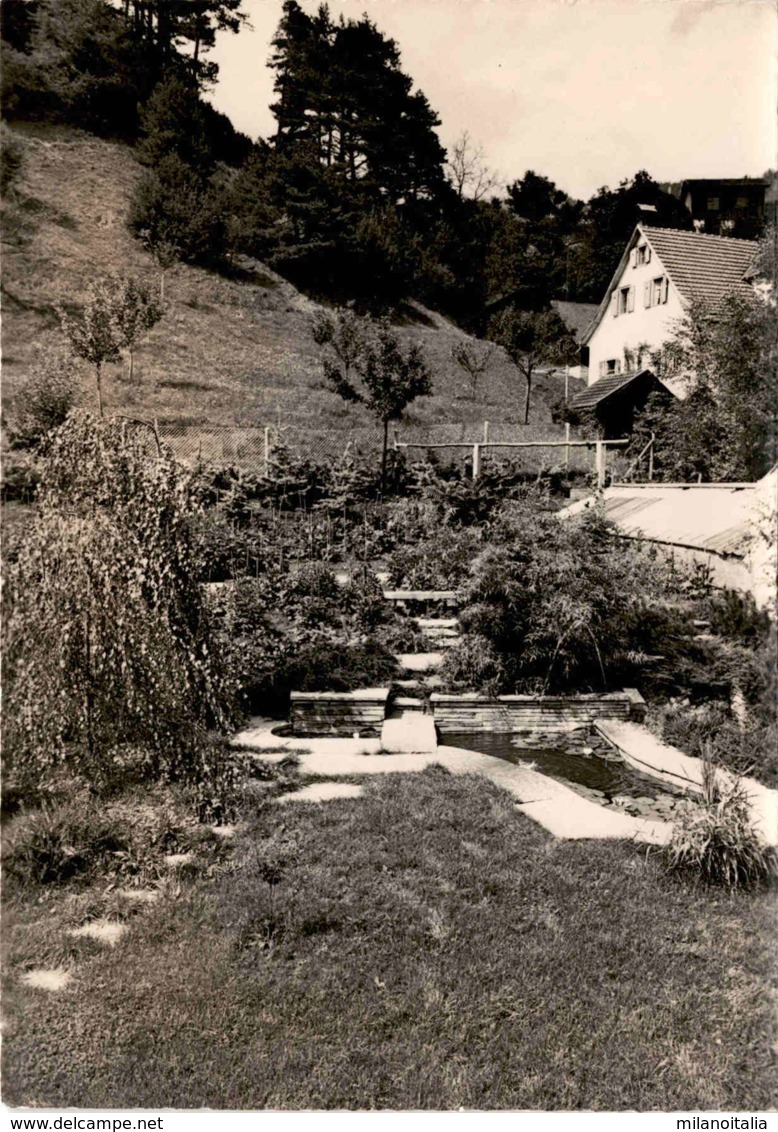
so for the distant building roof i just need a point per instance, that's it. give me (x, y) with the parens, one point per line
(577, 317)
(606, 386)
(703, 266)
(700, 182)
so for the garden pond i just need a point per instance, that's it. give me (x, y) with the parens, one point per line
(583, 760)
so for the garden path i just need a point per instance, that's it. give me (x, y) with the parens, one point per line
(553, 805)
(648, 754)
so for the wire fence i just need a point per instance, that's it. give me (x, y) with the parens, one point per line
(251, 447)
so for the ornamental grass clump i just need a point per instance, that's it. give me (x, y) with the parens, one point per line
(714, 839)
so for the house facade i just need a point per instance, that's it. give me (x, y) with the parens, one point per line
(660, 273)
(732, 205)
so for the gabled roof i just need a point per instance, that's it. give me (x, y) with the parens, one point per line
(699, 265)
(708, 182)
(703, 266)
(577, 317)
(606, 386)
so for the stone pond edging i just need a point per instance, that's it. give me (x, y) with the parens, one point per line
(468, 712)
(337, 713)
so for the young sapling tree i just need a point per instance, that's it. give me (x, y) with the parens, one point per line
(365, 362)
(531, 338)
(474, 359)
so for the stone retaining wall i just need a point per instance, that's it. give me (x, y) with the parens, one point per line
(532, 713)
(337, 713)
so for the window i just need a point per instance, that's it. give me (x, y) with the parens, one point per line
(626, 300)
(610, 367)
(642, 255)
(742, 202)
(713, 204)
(656, 291)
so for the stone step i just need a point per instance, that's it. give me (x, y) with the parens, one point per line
(419, 662)
(437, 622)
(408, 702)
(410, 733)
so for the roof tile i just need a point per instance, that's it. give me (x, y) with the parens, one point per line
(702, 266)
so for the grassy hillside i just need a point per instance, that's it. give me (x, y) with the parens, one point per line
(232, 351)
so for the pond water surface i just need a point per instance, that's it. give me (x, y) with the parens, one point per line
(599, 770)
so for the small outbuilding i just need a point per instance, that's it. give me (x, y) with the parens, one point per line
(615, 401)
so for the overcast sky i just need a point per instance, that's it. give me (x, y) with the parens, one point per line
(584, 91)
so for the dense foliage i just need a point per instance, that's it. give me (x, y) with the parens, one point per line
(546, 607)
(110, 667)
(725, 426)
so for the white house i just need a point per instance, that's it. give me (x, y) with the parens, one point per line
(661, 272)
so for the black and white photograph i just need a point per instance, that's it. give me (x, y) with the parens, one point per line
(389, 549)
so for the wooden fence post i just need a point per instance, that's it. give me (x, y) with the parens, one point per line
(567, 439)
(476, 461)
(599, 459)
(266, 451)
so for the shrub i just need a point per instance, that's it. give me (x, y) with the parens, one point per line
(49, 393)
(53, 845)
(364, 600)
(421, 565)
(339, 668)
(474, 663)
(11, 158)
(173, 205)
(402, 635)
(714, 841)
(736, 616)
(107, 636)
(551, 597)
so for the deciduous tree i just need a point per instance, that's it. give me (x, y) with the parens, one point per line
(531, 338)
(365, 363)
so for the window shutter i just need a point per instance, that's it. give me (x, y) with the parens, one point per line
(647, 294)
(648, 254)
(665, 289)
(631, 299)
(603, 369)
(615, 303)
(633, 255)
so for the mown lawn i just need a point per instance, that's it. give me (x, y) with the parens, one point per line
(427, 947)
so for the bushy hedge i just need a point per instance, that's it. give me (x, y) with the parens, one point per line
(563, 605)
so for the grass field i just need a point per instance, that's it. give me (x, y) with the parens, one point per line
(228, 350)
(427, 948)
